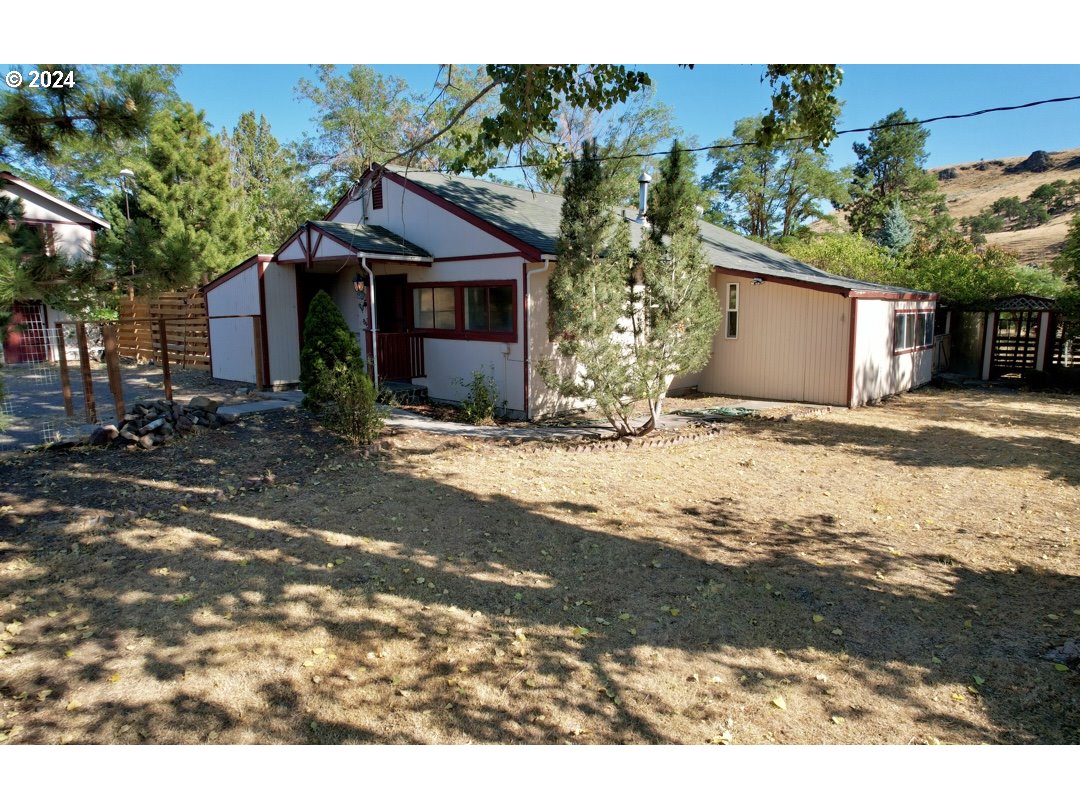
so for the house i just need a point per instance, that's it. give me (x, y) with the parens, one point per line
(66, 228)
(441, 276)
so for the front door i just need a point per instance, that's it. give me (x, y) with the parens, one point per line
(390, 309)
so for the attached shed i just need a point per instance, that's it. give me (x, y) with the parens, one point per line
(253, 324)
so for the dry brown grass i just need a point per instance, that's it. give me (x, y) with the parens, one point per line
(459, 591)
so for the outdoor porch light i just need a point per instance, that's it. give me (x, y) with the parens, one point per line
(358, 284)
(759, 280)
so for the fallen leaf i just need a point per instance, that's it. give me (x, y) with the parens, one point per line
(818, 618)
(722, 739)
(73, 705)
(779, 702)
(935, 659)
(581, 631)
(1061, 668)
(318, 651)
(837, 719)
(115, 677)
(979, 680)
(837, 631)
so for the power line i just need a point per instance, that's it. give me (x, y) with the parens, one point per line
(804, 137)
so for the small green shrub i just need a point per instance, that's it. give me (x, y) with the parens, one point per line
(349, 407)
(479, 405)
(328, 343)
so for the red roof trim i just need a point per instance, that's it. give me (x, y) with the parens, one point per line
(893, 296)
(527, 250)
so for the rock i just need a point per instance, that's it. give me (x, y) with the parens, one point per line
(1068, 653)
(184, 423)
(129, 435)
(146, 441)
(150, 427)
(166, 430)
(103, 435)
(241, 392)
(204, 404)
(228, 418)
(1037, 161)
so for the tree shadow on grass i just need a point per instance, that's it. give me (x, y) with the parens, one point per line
(500, 623)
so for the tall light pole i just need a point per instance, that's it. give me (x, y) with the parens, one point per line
(127, 175)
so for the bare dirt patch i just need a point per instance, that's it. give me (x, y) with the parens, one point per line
(892, 574)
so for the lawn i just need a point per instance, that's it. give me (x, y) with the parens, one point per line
(889, 575)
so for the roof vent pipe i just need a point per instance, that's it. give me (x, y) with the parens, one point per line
(643, 198)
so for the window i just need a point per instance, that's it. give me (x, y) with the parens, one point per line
(466, 310)
(376, 195)
(732, 310)
(912, 331)
(489, 309)
(434, 308)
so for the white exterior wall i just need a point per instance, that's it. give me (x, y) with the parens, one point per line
(282, 327)
(424, 223)
(449, 360)
(71, 238)
(232, 339)
(792, 344)
(878, 372)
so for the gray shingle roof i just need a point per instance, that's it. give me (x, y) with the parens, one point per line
(371, 239)
(533, 217)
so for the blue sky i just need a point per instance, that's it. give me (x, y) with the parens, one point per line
(710, 98)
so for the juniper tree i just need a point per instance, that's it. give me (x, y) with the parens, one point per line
(627, 321)
(675, 312)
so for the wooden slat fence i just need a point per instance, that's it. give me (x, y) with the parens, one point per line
(187, 328)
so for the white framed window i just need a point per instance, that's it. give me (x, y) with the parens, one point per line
(913, 330)
(732, 310)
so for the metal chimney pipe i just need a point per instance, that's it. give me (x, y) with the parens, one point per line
(643, 197)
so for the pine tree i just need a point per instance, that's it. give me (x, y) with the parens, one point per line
(896, 232)
(186, 219)
(891, 169)
(275, 195)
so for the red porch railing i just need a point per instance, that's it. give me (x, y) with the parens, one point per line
(401, 355)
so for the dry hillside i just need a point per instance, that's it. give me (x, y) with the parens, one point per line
(977, 185)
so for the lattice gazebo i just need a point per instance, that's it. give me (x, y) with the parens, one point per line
(1021, 333)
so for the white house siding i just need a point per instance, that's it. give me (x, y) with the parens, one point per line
(423, 223)
(282, 330)
(232, 339)
(71, 238)
(448, 362)
(878, 372)
(792, 344)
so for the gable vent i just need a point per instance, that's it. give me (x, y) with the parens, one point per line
(376, 194)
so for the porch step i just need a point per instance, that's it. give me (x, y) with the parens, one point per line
(404, 392)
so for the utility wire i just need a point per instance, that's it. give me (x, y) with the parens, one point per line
(804, 137)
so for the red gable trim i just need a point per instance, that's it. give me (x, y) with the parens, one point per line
(527, 250)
